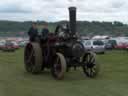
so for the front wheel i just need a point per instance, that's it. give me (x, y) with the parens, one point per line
(90, 67)
(59, 67)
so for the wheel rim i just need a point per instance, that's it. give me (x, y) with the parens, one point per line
(57, 66)
(29, 57)
(90, 67)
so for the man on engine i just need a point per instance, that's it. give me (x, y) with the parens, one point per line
(33, 32)
(45, 32)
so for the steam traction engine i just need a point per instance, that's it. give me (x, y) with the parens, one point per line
(61, 51)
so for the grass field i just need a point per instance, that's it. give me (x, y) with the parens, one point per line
(112, 80)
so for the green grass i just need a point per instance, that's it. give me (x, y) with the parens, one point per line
(112, 80)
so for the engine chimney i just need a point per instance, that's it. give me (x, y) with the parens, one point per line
(72, 16)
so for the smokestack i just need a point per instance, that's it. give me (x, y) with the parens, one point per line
(72, 16)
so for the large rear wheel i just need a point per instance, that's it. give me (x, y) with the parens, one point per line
(90, 67)
(59, 67)
(33, 58)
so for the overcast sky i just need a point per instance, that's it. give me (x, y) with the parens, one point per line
(55, 10)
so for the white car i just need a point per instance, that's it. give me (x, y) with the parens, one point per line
(96, 46)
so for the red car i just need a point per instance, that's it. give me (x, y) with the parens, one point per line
(127, 48)
(15, 45)
(121, 46)
(9, 46)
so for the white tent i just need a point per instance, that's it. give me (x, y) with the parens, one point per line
(100, 37)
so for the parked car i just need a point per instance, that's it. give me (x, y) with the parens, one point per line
(1, 45)
(112, 43)
(15, 45)
(108, 46)
(94, 45)
(119, 42)
(127, 48)
(122, 46)
(22, 43)
(9, 46)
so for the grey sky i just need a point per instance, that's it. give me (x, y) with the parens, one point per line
(54, 10)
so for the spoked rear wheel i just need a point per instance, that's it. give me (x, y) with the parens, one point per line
(90, 67)
(33, 58)
(59, 67)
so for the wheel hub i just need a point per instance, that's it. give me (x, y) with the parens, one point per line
(90, 65)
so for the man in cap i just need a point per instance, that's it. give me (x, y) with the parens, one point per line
(33, 32)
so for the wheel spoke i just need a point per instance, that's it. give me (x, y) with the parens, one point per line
(57, 61)
(89, 71)
(88, 59)
(93, 70)
(57, 66)
(91, 58)
(30, 57)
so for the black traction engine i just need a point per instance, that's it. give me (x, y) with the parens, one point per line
(61, 51)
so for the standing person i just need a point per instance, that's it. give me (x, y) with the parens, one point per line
(44, 39)
(45, 32)
(33, 32)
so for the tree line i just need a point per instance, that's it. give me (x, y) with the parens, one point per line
(13, 28)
